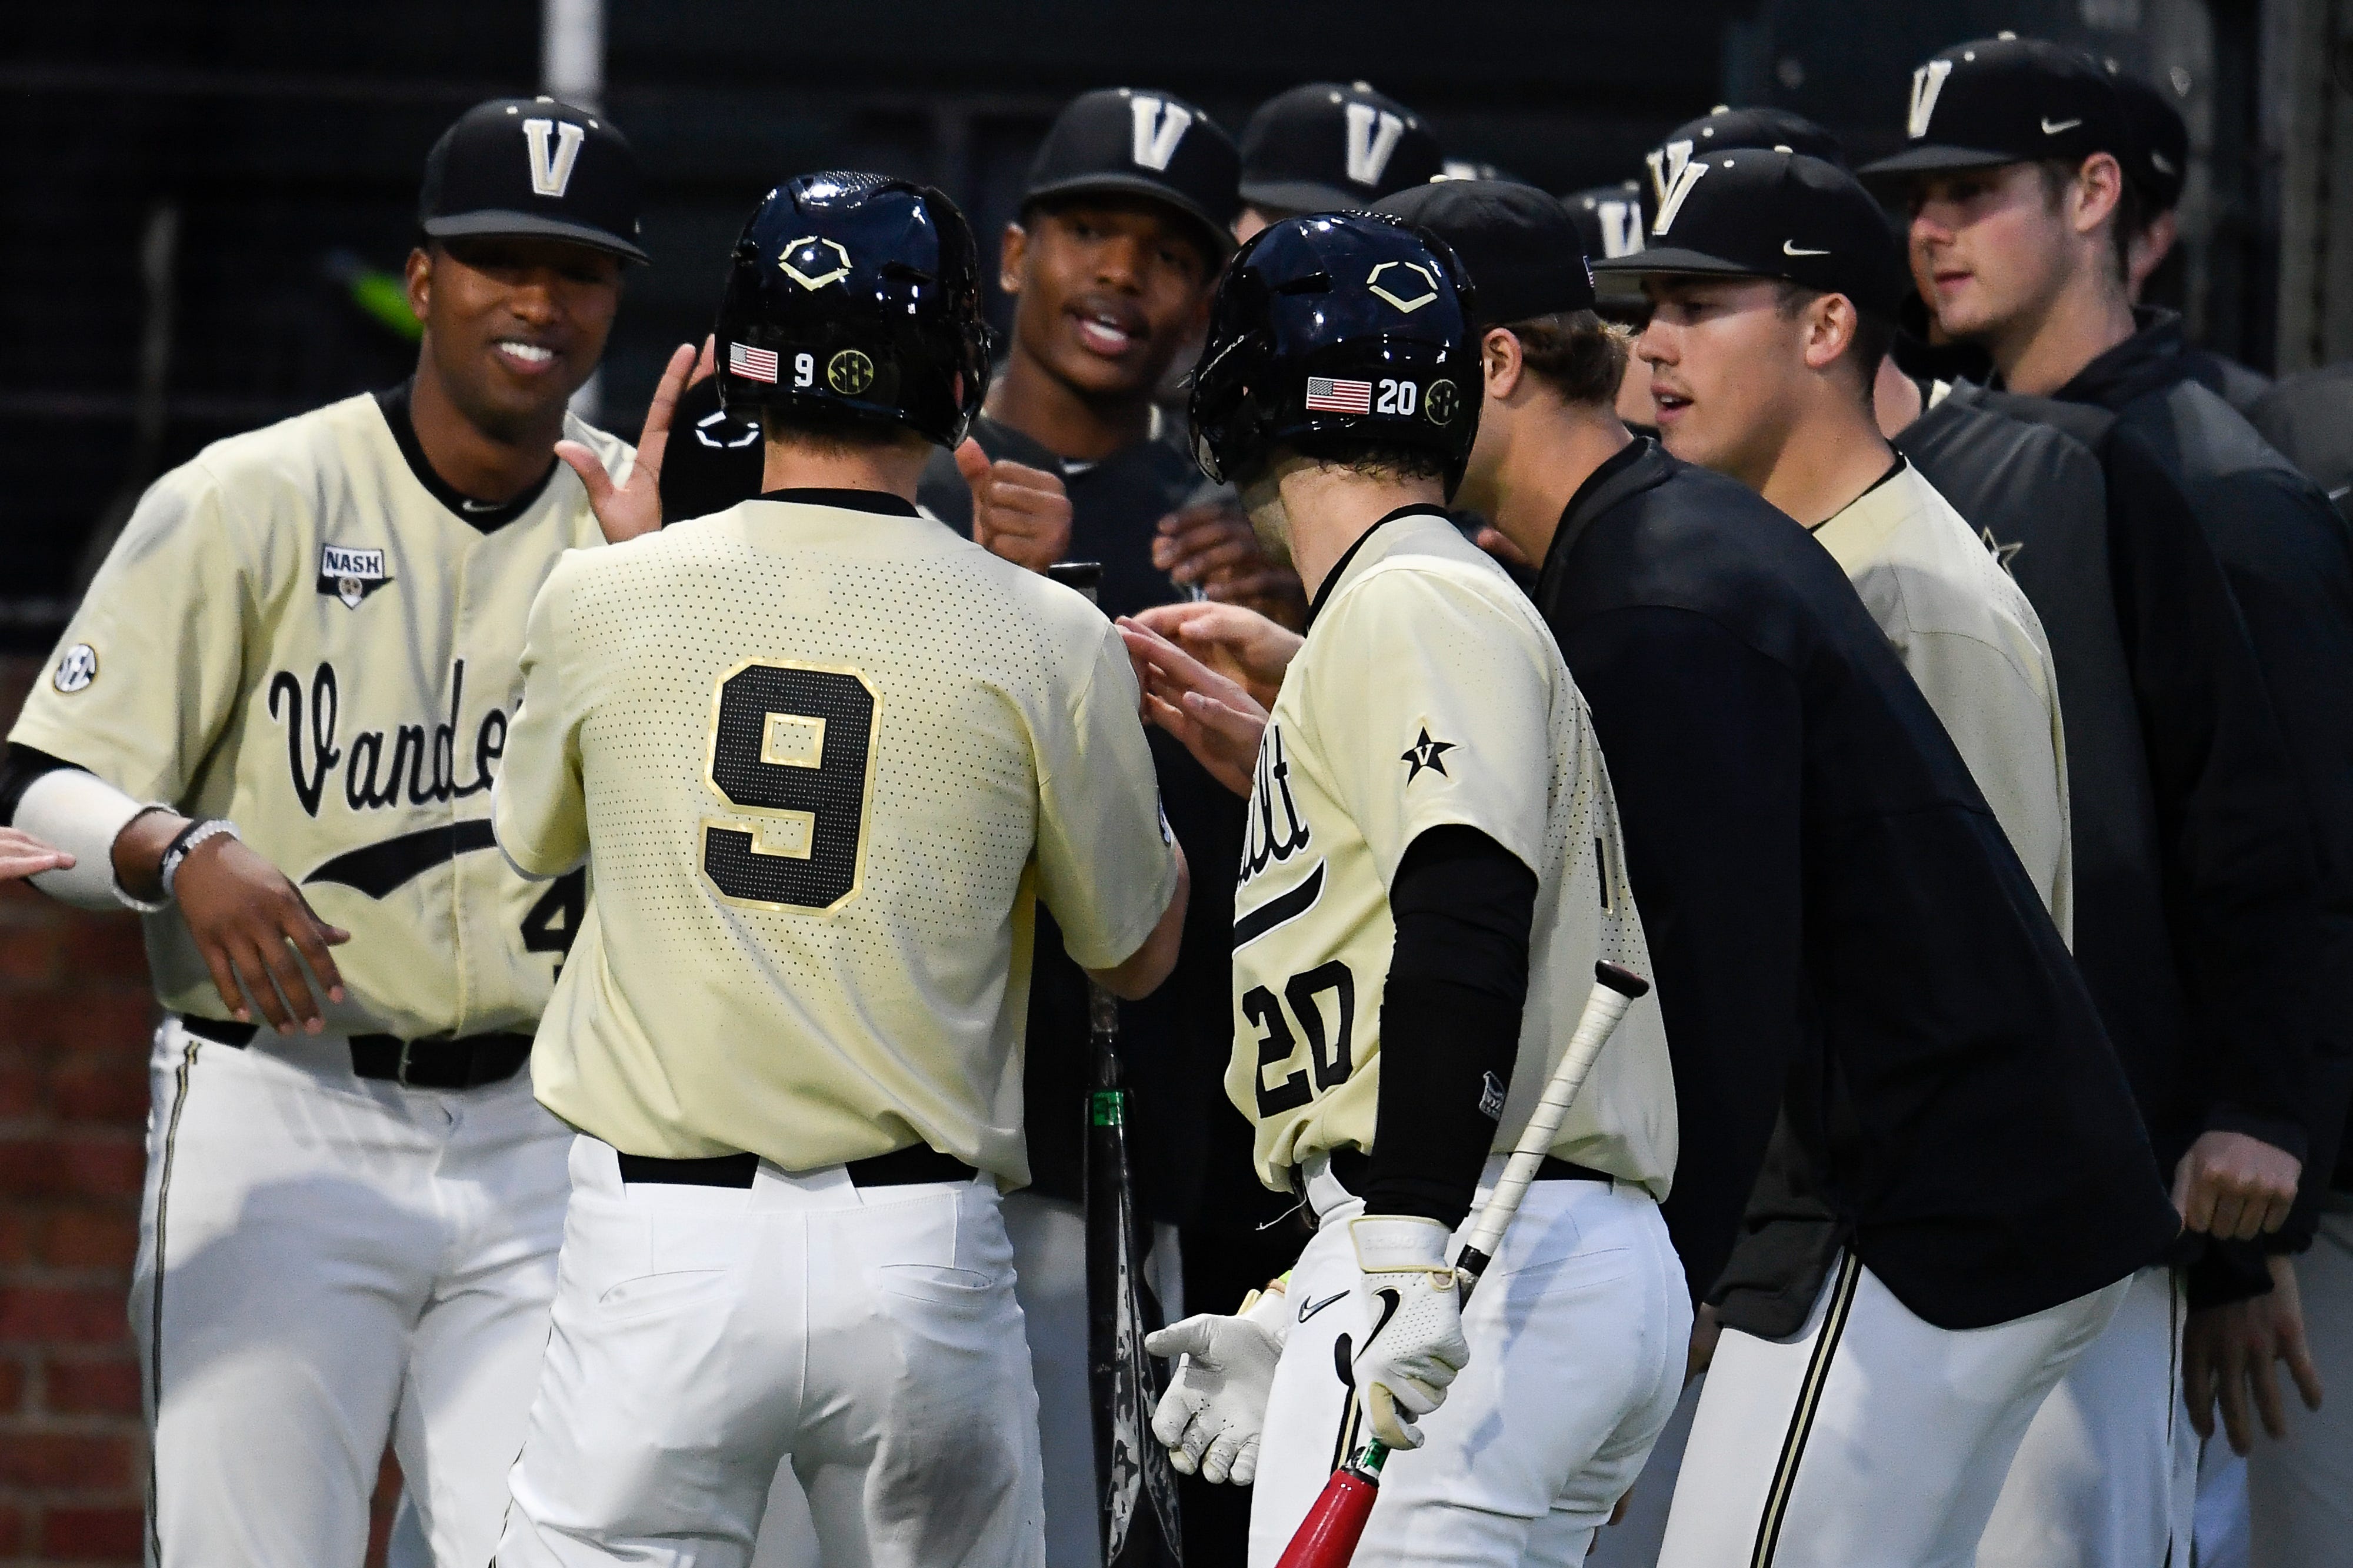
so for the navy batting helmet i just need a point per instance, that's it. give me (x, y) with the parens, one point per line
(1334, 334)
(856, 296)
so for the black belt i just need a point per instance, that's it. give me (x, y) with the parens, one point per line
(1351, 1166)
(905, 1167)
(439, 1062)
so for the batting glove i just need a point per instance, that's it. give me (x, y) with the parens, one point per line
(1215, 1410)
(1412, 1309)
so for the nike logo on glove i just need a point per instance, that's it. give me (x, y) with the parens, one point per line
(1309, 1309)
(2050, 130)
(1390, 1302)
(1790, 248)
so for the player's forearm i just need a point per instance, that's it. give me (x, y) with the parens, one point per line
(1451, 1012)
(1140, 973)
(74, 810)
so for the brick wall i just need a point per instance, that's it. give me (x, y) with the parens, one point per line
(75, 1015)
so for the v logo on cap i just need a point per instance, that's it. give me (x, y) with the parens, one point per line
(1673, 203)
(550, 174)
(1373, 135)
(1159, 127)
(1667, 167)
(1927, 82)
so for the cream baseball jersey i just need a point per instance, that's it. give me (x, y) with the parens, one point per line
(295, 634)
(823, 758)
(1429, 692)
(1976, 649)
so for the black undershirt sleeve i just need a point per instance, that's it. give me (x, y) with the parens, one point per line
(1464, 907)
(22, 765)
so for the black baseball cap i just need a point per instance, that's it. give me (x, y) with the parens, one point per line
(534, 166)
(2006, 100)
(2157, 160)
(1518, 244)
(1723, 130)
(1326, 146)
(1138, 141)
(1609, 220)
(1761, 214)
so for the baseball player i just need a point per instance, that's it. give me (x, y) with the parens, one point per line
(823, 756)
(1433, 864)
(2021, 224)
(273, 726)
(1325, 145)
(1817, 923)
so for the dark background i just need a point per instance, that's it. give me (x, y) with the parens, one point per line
(262, 155)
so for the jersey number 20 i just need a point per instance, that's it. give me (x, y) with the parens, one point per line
(791, 747)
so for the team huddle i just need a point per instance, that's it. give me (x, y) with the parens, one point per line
(626, 918)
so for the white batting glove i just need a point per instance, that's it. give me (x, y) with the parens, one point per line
(1215, 1410)
(1413, 1346)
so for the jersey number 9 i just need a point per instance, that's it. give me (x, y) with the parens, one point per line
(791, 746)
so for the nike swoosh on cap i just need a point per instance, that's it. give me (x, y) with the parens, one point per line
(1790, 248)
(2050, 130)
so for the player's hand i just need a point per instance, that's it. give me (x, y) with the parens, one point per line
(1411, 1303)
(1211, 716)
(1707, 1329)
(1239, 644)
(625, 510)
(1215, 1410)
(22, 856)
(1017, 511)
(1210, 545)
(249, 923)
(2234, 1187)
(2227, 1354)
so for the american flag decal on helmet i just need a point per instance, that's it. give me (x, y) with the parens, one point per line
(751, 363)
(1331, 396)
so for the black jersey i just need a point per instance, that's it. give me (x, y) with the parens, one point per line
(2289, 558)
(1840, 930)
(2194, 880)
(1177, 1038)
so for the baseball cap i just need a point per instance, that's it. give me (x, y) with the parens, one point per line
(1723, 130)
(1760, 214)
(1608, 218)
(1136, 142)
(1325, 146)
(2158, 156)
(1518, 244)
(2006, 100)
(534, 166)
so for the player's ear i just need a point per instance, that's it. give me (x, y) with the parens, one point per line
(1012, 252)
(1831, 323)
(2099, 187)
(1501, 361)
(416, 280)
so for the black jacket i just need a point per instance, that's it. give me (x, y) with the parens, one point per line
(1183, 1135)
(2289, 558)
(1842, 932)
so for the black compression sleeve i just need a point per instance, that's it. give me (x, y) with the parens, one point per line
(22, 766)
(1464, 907)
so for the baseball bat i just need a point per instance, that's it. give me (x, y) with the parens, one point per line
(1135, 1486)
(1327, 1536)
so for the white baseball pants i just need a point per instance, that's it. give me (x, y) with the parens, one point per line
(1871, 1438)
(326, 1261)
(1577, 1337)
(703, 1336)
(2107, 1475)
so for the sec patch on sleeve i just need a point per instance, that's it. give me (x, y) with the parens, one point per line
(76, 668)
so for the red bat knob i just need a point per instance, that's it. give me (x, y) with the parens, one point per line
(1327, 1538)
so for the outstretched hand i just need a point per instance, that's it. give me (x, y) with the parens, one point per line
(1018, 512)
(1239, 644)
(633, 508)
(1213, 716)
(22, 856)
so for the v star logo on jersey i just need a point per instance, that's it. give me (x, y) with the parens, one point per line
(1426, 753)
(813, 262)
(1926, 83)
(1373, 135)
(551, 173)
(1429, 284)
(2004, 554)
(1157, 127)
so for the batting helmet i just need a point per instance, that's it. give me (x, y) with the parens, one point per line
(856, 296)
(1334, 334)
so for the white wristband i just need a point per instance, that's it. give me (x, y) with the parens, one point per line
(82, 814)
(177, 854)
